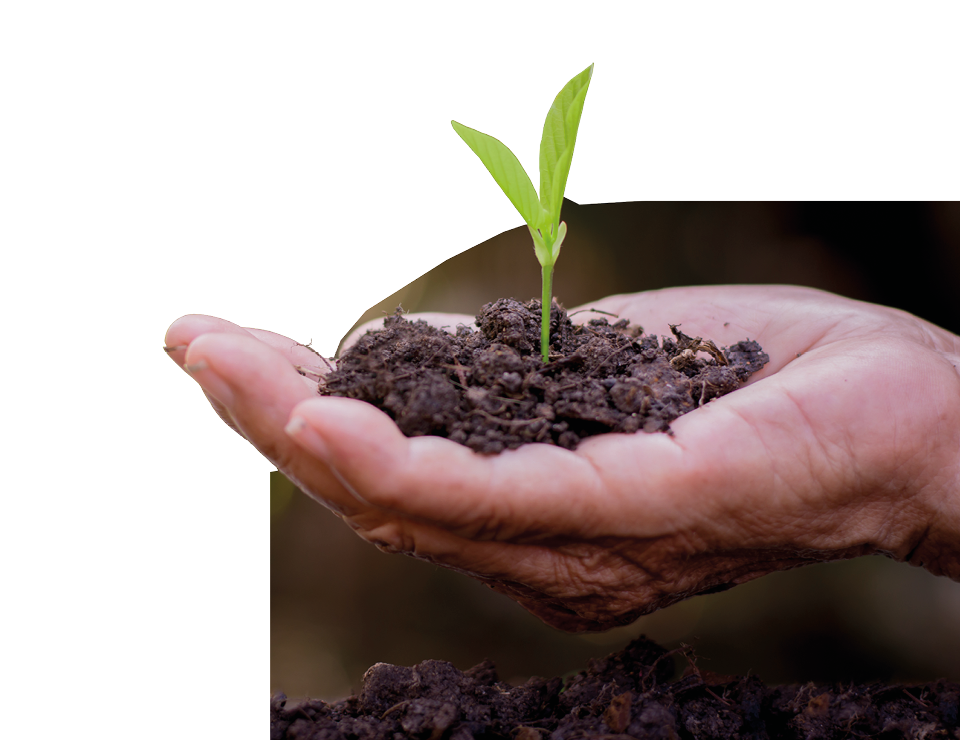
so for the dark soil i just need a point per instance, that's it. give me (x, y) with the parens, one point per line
(491, 391)
(625, 695)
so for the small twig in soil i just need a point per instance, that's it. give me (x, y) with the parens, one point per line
(712, 349)
(507, 422)
(691, 657)
(309, 346)
(303, 370)
(653, 673)
(393, 709)
(459, 370)
(921, 702)
(691, 345)
(720, 699)
(607, 358)
(403, 376)
(325, 360)
(483, 391)
(303, 712)
(595, 310)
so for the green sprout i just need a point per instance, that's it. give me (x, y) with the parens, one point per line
(541, 214)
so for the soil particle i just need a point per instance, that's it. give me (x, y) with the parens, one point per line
(625, 695)
(491, 391)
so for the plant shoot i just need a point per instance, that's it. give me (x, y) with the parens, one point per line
(542, 214)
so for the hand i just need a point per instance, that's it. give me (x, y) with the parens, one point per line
(846, 443)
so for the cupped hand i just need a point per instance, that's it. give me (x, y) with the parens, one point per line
(846, 443)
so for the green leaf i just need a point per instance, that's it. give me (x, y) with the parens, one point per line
(506, 170)
(559, 137)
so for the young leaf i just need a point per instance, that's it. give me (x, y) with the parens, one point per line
(506, 170)
(559, 137)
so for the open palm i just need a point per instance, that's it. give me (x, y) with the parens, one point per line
(846, 443)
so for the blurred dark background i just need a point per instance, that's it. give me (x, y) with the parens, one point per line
(338, 605)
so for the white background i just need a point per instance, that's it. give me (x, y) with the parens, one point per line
(286, 165)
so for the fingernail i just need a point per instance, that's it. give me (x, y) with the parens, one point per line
(307, 437)
(294, 426)
(212, 383)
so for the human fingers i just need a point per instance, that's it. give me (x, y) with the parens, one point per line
(187, 328)
(258, 387)
(179, 336)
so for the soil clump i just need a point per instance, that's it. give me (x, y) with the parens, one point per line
(625, 695)
(491, 391)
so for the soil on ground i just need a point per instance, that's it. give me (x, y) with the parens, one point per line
(628, 694)
(490, 389)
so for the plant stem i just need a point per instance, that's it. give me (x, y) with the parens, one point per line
(546, 278)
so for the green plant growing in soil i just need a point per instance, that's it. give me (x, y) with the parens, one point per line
(542, 214)
(489, 388)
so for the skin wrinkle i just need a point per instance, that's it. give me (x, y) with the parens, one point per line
(592, 568)
(902, 467)
(477, 524)
(890, 520)
(581, 461)
(821, 443)
(682, 463)
(591, 602)
(489, 529)
(299, 473)
(395, 490)
(933, 336)
(652, 579)
(842, 329)
(739, 569)
(761, 526)
(598, 487)
(777, 482)
(396, 536)
(345, 484)
(683, 466)
(468, 520)
(936, 513)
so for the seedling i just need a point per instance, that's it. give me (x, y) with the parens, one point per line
(542, 214)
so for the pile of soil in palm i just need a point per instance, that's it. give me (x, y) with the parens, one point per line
(491, 391)
(625, 695)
